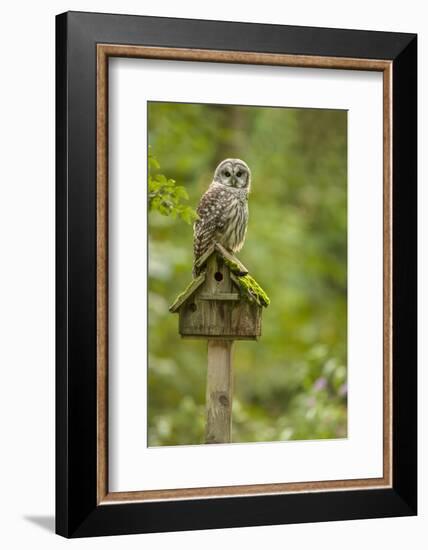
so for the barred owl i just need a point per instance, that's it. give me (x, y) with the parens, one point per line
(223, 209)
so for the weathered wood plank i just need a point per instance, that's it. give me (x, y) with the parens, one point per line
(195, 284)
(240, 267)
(219, 296)
(219, 392)
(202, 259)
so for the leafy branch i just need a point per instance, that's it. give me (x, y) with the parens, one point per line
(165, 196)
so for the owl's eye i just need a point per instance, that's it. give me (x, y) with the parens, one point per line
(227, 174)
(238, 174)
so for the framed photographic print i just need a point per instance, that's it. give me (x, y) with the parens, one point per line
(236, 274)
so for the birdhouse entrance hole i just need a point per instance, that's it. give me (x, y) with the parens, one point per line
(218, 276)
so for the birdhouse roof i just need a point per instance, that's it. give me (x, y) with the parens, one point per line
(230, 259)
(247, 285)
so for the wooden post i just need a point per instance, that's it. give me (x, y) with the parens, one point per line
(218, 306)
(219, 392)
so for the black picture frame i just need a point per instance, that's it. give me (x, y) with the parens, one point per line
(77, 511)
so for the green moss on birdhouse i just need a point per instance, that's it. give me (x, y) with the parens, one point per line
(247, 283)
(234, 267)
(251, 287)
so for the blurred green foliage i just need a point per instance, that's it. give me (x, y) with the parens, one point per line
(165, 196)
(291, 384)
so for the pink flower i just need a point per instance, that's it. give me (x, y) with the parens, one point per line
(320, 384)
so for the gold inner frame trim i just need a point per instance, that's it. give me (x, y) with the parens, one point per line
(104, 51)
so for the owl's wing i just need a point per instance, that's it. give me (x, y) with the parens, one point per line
(210, 221)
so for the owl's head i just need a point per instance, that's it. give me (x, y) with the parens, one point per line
(233, 173)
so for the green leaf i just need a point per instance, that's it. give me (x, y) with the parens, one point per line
(165, 196)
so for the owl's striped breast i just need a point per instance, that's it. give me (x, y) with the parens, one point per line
(235, 220)
(222, 217)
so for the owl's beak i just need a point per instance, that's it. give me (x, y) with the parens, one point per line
(233, 181)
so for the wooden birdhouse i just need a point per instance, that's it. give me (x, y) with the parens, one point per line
(223, 302)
